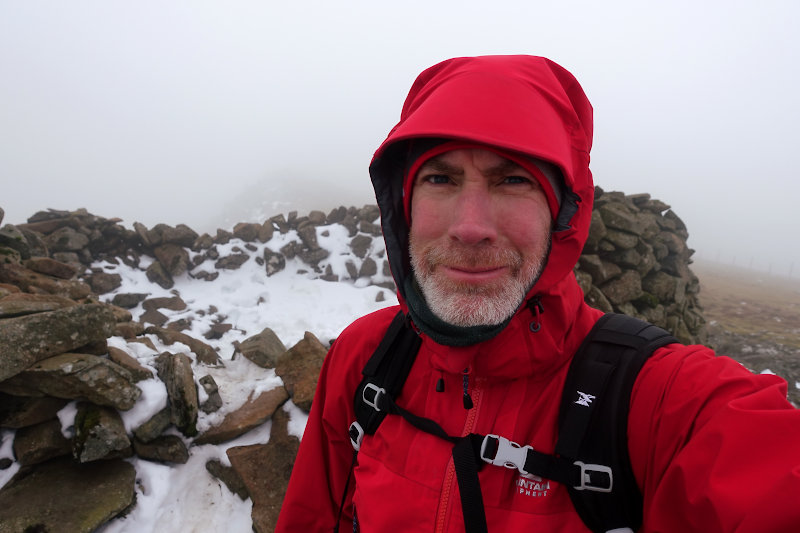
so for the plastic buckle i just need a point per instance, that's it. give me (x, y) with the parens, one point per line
(378, 391)
(508, 454)
(356, 433)
(586, 477)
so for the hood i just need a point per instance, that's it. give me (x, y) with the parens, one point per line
(523, 104)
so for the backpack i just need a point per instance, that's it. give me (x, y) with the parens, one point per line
(591, 454)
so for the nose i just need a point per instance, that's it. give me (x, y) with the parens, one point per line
(473, 219)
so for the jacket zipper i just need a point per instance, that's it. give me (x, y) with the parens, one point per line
(449, 483)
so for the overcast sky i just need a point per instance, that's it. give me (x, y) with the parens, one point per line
(191, 112)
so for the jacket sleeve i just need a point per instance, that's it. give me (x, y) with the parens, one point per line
(715, 448)
(324, 460)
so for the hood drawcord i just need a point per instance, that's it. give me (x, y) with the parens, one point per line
(535, 305)
(467, 398)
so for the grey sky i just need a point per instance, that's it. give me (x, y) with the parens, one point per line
(203, 112)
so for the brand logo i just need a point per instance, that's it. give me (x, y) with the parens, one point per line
(584, 399)
(532, 486)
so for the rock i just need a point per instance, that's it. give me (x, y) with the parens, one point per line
(128, 300)
(264, 349)
(360, 245)
(217, 330)
(67, 497)
(18, 304)
(157, 274)
(300, 368)
(103, 282)
(30, 281)
(175, 370)
(75, 376)
(265, 470)
(99, 434)
(600, 271)
(308, 236)
(232, 262)
(154, 426)
(174, 258)
(41, 442)
(617, 216)
(129, 363)
(228, 475)
(175, 303)
(66, 239)
(274, 261)
(665, 287)
(251, 415)
(18, 412)
(12, 237)
(248, 232)
(266, 231)
(51, 267)
(623, 289)
(368, 268)
(205, 353)
(165, 449)
(213, 400)
(154, 317)
(28, 339)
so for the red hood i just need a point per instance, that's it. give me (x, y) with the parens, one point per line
(521, 104)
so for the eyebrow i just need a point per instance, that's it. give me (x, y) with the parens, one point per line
(437, 165)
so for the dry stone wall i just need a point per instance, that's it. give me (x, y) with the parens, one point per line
(54, 352)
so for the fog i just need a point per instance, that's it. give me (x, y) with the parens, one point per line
(211, 113)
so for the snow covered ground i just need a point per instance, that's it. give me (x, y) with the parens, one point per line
(186, 497)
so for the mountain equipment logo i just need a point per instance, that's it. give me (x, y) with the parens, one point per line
(532, 486)
(584, 399)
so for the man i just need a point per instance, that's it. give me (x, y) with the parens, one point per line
(486, 198)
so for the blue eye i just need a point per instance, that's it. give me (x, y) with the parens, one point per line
(437, 179)
(516, 180)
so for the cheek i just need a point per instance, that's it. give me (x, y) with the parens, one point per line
(427, 219)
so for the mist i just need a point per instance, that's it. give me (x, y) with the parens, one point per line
(211, 113)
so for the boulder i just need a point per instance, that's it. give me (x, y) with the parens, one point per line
(20, 411)
(30, 281)
(174, 258)
(175, 370)
(51, 267)
(252, 414)
(76, 376)
(99, 434)
(164, 449)
(265, 470)
(41, 442)
(360, 245)
(23, 303)
(103, 282)
(299, 369)
(28, 339)
(66, 239)
(213, 400)
(205, 353)
(264, 349)
(157, 274)
(63, 496)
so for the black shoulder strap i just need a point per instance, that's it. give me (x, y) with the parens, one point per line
(593, 419)
(386, 372)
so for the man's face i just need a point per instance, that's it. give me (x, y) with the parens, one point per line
(480, 234)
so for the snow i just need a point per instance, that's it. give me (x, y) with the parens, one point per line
(186, 497)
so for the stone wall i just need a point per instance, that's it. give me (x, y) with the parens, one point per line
(54, 326)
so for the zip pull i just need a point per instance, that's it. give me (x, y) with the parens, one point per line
(467, 398)
(440, 384)
(535, 306)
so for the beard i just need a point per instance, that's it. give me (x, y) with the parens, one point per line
(469, 304)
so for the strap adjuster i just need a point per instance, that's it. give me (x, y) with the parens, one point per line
(356, 433)
(589, 477)
(375, 397)
(500, 451)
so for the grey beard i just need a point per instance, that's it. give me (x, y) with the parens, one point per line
(476, 306)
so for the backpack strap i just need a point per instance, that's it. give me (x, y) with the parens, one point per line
(593, 419)
(384, 375)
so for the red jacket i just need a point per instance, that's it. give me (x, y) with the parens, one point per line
(714, 448)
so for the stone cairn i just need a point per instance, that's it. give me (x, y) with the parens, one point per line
(54, 330)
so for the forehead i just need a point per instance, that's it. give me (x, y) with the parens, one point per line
(457, 160)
